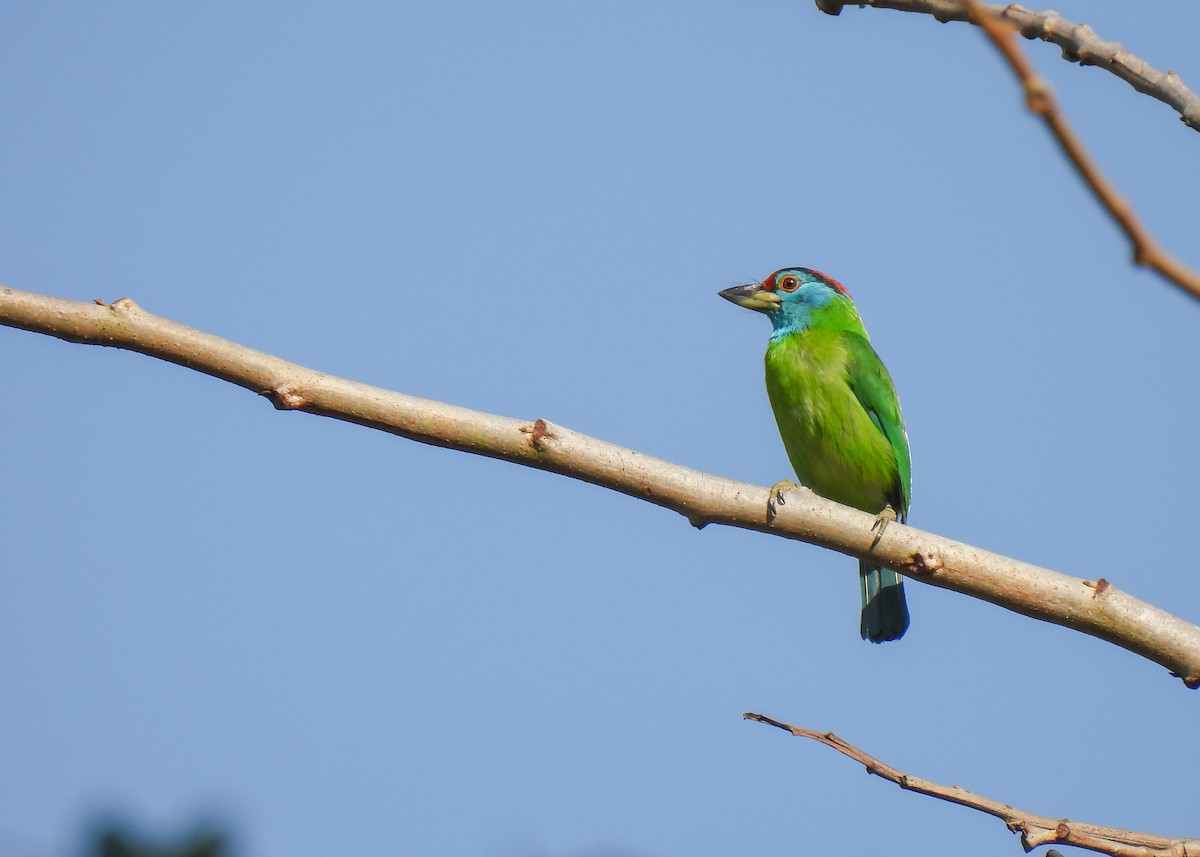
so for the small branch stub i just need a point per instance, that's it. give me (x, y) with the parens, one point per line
(922, 563)
(286, 397)
(536, 432)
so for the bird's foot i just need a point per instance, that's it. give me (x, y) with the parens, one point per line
(777, 497)
(881, 522)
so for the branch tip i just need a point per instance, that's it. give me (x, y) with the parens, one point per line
(762, 718)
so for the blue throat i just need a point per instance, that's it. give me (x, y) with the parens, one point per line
(795, 313)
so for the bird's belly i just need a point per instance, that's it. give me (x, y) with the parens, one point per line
(836, 450)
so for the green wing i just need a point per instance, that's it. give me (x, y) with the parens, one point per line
(873, 387)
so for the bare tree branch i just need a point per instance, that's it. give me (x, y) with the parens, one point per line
(1093, 607)
(1079, 43)
(1035, 830)
(1041, 101)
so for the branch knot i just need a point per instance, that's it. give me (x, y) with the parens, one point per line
(923, 562)
(536, 432)
(286, 397)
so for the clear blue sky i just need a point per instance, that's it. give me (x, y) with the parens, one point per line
(334, 641)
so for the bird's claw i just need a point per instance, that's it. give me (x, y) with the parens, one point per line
(776, 497)
(881, 522)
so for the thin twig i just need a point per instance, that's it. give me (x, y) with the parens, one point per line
(1041, 101)
(1035, 830)
(1079, 43)
(1093, 607)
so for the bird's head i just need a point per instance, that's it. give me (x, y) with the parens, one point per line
(791, 297)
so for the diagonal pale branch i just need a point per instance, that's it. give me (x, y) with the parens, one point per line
(1093, 607)
(1035, 830)
(1079, 43)
(1041, 101)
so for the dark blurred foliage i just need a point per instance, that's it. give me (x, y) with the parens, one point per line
(118, 841)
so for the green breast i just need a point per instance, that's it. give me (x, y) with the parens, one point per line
(834, 445)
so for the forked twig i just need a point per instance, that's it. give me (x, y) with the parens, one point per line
(1040, 99)
(1035, 830)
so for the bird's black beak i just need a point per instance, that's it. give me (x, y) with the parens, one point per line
(752, 296)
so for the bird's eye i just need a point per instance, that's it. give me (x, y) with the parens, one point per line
(789, 283)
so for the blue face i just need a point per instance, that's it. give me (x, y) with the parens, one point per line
(801, 292)
(790, 297)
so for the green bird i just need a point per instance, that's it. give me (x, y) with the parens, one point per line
(838, 415)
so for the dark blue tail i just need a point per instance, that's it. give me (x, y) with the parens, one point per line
(884, 611)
